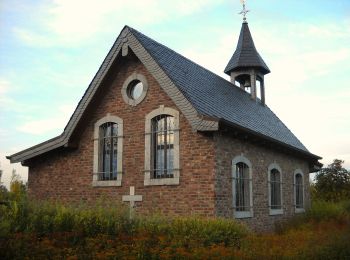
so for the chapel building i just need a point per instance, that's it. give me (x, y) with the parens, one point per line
(184, 140)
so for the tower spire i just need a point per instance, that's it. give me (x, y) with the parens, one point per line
(246, 67)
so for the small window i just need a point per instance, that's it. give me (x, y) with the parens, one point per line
(299, 192)
(135, 89)
(275, 190)
(242, 188)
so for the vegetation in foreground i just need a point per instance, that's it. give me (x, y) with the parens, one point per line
(47, 230)
(50, 231)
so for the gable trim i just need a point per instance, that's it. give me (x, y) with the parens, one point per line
(126, 37)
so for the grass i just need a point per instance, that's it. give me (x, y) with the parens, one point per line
(40, 230)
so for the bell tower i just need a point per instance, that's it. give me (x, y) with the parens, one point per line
(246, 67)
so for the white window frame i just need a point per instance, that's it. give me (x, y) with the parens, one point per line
(118, 181)
(242, 214)
(148, 181)
(270, 168)
(299, 210)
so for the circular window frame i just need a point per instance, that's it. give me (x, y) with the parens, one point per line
(125, 89)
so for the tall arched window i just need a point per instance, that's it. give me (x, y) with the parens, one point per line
(108, 149)
(275, 189)
(162, 147)
(299, 191)
(242, 187)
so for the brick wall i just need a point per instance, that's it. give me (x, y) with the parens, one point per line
(228, 147)
(67, 174)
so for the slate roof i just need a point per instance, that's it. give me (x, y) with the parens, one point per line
(246, 54)
(216, 97)
(204, 97)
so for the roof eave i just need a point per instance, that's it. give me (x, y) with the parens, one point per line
(270, 139)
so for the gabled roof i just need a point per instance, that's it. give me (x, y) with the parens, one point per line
(246, 54)
(202, 96)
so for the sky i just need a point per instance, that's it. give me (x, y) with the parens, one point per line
(51, 49)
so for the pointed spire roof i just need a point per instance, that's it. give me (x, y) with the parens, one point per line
(246, 55)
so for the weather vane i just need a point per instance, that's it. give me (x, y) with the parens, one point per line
(244, 11)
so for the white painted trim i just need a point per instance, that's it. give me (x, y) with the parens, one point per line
(270, 168)
(299, 210)
(124, 90)
(118, 182)
(165, 181)
(242, 214)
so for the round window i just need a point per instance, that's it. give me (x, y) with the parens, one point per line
(135, 89)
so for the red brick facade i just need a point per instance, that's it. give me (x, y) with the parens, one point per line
(67, 175)
(205, 160)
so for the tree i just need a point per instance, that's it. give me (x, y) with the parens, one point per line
(17, 186)
(333, 182)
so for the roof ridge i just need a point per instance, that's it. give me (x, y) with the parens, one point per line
(179, 54)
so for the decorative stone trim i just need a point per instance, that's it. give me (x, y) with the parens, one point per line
(270, 168)
(164, 181)
(242, 214)
(298, 210)
(132, 77)
(118, 181)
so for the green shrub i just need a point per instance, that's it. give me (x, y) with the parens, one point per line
(322, 210)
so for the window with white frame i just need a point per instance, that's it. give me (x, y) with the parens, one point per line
(242, 187)
(162, 147)
(108, 146)
(299, 191)
(275, 189)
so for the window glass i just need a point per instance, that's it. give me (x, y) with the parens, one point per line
(275, 189)
(162, 150)
(108, 143)
(242, 187)
(135, 89)
(299, 191)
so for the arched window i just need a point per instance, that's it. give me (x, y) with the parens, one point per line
(162, 150)
(108, 150)
(162, 147)
(275, 189)
(299, 191)
(242, 187)
(108, 145)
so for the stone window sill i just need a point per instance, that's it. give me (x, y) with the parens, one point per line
(243, 214)
(107, 183)
(274, 212)
(299, 210)
(164, 181)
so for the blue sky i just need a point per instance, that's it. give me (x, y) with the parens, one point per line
(51, 49)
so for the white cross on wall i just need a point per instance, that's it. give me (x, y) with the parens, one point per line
(132, 198)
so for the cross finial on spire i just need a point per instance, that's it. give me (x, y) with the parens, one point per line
(244, 11)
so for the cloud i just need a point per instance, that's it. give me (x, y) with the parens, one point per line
(63, 22)
(320, 118)
(46, 125)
